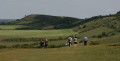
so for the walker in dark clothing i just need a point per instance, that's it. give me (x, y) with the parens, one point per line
(42, 44)
(85, 43)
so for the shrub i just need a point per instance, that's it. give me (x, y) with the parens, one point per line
(3, 46)
(22, 39)
(118, 30)
(100, 36)
(25, 46)
(81, 41)
(94, 36)
(16, 46)
(104, 34)
(112, 34)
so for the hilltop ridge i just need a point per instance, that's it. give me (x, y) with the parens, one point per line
(36, 21)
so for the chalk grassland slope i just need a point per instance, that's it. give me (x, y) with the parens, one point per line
(36, 33)
(36, 21)
(95, 26)
(96, 31)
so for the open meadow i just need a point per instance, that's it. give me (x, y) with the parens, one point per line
(36, 33)
(81, 53)
(24, 45)
(107, 50)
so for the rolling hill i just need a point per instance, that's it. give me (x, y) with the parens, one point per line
(98, 25)
(36, 21)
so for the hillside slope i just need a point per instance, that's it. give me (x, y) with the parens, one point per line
(36, 21)
(92, 27)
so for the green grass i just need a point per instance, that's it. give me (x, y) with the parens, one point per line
(79, 53)
(36, 33)
(102, 52)
(96, 31)
(11, 27)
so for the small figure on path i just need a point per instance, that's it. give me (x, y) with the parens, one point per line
(70, 41)
(75, 41)
(42, 44)
(46, 43)
(85, 40)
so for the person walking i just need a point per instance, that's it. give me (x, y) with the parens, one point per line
(85, 40)
(70, 41)
(46, 43)
(42, 44)
(75, 41)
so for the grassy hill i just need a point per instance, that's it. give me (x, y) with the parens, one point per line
(93, 27)
(36, 21)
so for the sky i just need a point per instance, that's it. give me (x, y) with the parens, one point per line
(16, 9)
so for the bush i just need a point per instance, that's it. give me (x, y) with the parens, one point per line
(94, 43)
(118, 30)
(16, 46)
(22, 39)
(3, 46)
(100, 36)
(104, 34)
(81, 41)
(94, 36)
(112, 34)
(25, 46)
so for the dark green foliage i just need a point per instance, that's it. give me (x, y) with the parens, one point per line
(25, 45)
(100, 36)
(94, 43)
(81, 41)
(112, 34)
(118, 30)
(22, 39)
(17, 46)
(2, 23)
(104, 34)
(25, 28)
(94, 36)
(3, 46)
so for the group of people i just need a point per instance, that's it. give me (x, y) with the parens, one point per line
(69, 43)
(44, 44)
(75, 41)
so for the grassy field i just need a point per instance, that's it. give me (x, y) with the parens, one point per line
(36, 33)
(101, 52)
(11, 27)
(79, 53)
